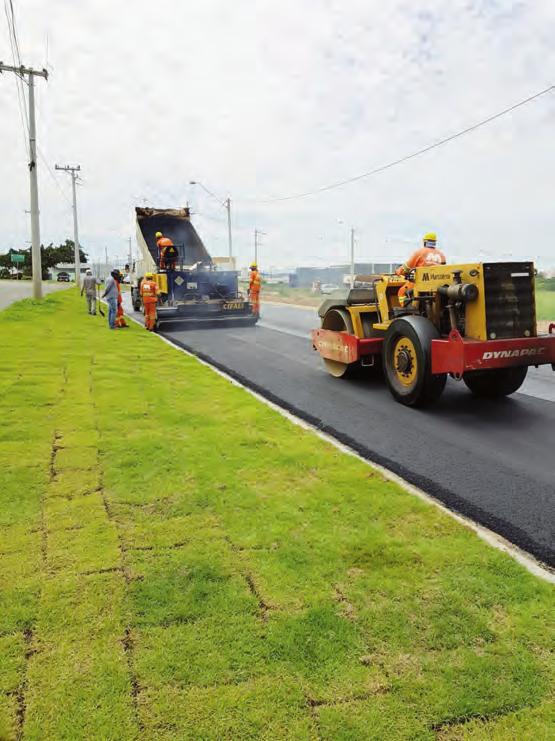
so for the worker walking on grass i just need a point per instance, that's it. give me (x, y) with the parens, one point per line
(254, 288)
(427, 256)
(89, 287)
(167, 254)
(149, 294)
(111, 296)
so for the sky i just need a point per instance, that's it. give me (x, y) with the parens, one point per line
(273, 98)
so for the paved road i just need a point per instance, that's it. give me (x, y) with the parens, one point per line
(490, 460)
(12, 290)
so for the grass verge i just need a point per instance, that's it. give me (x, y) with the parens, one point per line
(180, 561)
(545, 305)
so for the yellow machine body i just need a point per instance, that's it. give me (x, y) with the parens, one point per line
(161, 280)
(426, 282)
(474, 321)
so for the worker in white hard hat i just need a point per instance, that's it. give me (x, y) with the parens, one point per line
(89, 287)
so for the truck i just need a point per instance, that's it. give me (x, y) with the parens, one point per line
(473, 322)
(199, 291)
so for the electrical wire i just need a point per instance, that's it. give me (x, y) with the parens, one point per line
(22, 101)
(19, 80)
(407, 157)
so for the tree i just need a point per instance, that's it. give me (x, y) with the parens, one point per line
(50, 257)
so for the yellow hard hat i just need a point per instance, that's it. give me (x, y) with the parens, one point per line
(430, 237)
(253, 265)
(149, 276)
(159, 234)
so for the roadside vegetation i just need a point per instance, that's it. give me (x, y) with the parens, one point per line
(545, 303)
(179, 561)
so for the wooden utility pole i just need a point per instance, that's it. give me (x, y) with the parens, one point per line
(77, 257)
(34, 187)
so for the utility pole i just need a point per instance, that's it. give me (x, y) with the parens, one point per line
(73, 172)
(352, 258)
(130, 257)
(226, 204)
(257, 234)
(34, 186)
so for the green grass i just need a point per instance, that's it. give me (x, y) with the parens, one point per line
(545, 305)
(178, 561)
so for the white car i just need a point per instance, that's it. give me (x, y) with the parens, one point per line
(329, 288)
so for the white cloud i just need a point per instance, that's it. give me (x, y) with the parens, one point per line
(279, 97)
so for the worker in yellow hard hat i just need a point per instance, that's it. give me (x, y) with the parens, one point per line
(428, 255)
(166, 257)
(149, 294)
(254, 288)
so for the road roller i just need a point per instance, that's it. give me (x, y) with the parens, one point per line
(473, 322)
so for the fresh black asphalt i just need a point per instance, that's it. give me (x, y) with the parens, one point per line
(491, 460)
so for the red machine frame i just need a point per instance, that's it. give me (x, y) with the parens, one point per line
(454, 354)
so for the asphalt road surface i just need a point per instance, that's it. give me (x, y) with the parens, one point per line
(15, 290)
(492, 460)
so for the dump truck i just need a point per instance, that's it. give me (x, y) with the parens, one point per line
(200, 291)
(473, 322)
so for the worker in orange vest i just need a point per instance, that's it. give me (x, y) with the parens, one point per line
(254, 288)
(149, 294)
(120, 318)
(165, 260)
(427, 256)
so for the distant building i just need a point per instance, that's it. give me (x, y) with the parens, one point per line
(305, 277)
(66, 267)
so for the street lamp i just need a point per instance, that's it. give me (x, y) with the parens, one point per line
(352, 255)
(226, 204)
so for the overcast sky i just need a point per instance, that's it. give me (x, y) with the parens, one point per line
(282, 96)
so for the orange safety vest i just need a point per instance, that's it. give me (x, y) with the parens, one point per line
(254, 282)
(149, 291)
(424, 257)
(163, 242)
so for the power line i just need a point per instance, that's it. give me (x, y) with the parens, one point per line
(19, 78)
(22, 101)
(407, 157)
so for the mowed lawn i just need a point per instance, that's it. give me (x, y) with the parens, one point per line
(178, 561)
(545, 305)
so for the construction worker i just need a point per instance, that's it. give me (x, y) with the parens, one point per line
(149, 294)
(427, 255)
(120, 318)
(254, 288)
(166, 257)
(89, 287)
(111, 296)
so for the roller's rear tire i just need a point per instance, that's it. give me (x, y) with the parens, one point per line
(497, 382)
(407, 362)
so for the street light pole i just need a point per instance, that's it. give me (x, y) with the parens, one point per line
(34, 186)
(352, 258)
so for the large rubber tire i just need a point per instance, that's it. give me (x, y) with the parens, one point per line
(407, 361)
(338, 320)
(497, 382)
